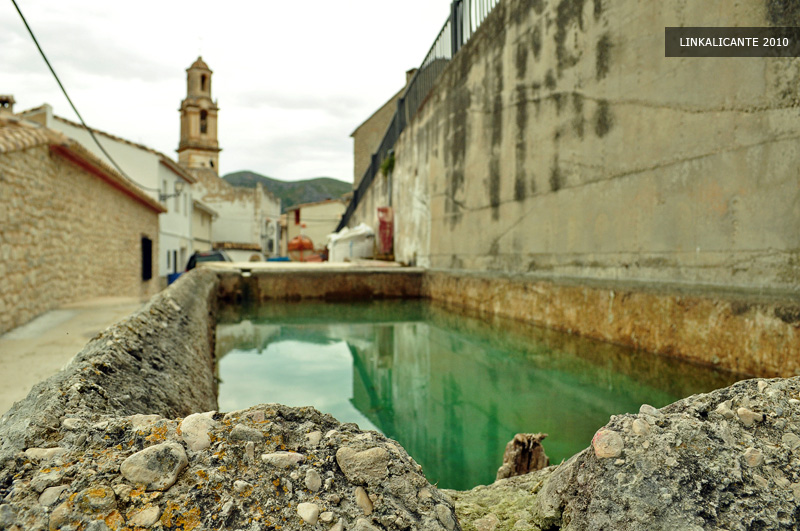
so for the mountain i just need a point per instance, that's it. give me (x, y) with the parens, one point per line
(295, 192)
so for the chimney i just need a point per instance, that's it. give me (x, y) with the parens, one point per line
(7, 103)
(409, 75)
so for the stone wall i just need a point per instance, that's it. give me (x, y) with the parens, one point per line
(561, 141)
(67, 235)
(738, 331)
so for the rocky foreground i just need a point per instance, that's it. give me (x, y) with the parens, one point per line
(269, 467)
(726, 460)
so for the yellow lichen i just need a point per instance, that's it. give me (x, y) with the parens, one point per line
(115, 521)
(158, 434)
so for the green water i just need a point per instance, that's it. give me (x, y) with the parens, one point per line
(452, 389)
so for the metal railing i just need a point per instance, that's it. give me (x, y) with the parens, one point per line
(466, 16)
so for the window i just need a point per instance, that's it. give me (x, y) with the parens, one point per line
(297, 217)
(203, 122)
(203, 82)
(169, 255)
(147, 258)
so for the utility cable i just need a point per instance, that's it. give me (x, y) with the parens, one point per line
(91, 132)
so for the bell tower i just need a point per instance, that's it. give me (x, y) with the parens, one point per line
(198, 147)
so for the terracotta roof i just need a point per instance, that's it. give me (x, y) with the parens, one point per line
(17, 134)
(185, 175)
(171, 164)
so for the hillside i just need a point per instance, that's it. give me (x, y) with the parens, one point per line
(295, 192)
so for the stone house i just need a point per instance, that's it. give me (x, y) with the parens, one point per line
(315, 220)
(157, 175)
(247, 218)
(71, 227)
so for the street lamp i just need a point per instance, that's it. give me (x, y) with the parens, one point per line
(178, 189)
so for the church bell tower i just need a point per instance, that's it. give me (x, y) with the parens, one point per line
(198, 147)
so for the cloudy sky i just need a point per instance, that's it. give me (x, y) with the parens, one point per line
(293, 78)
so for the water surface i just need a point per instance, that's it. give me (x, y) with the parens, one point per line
(452, 389)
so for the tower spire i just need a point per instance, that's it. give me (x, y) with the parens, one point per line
(198, 147)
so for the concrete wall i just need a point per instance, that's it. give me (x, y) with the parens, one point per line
(561, 141)
(66, 235)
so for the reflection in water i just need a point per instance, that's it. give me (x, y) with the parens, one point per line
(453, 390)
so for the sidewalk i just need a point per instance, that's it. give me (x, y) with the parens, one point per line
(40, 348)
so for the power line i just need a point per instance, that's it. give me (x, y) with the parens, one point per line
(91, 132)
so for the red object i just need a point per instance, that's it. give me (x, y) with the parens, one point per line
(301, 249)
(385, 230)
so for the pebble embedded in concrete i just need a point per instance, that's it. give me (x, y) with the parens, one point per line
(156, 467)
(313, 480)
(748, 417)
(363, 501)
(753, 457)
(309, 512)
(282, 459)
(365, 466)
(607, 443)
(195, 430)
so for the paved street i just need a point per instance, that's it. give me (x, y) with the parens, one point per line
(40, 348)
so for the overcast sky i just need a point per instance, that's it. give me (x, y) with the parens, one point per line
(292, 78)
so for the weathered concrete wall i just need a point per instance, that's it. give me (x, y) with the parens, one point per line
(329, 283)
(157, 361)
(66, 235)
(743, 332)
(561, 141)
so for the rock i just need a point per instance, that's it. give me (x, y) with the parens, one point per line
(44, 454)
(73, 424)
(523, 454)
(241, 487)
(607, 443)
(99, 499)
(365, 467)
(791, 440)
(326, 517)
(747, 417)
(487, 523)
(362, 524)
(156, 467)
(7, 516)
(194, 430)
(146, 517)
(641, 427)
(314, 438)
(363, 501)
(282, 459)
(647, 409)
(244, 433)
(724, 409)
(50, 496)
(445, 516)
(753, 457)
(46, 479)
(309, 512)
(338, 526)
(313, 480)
